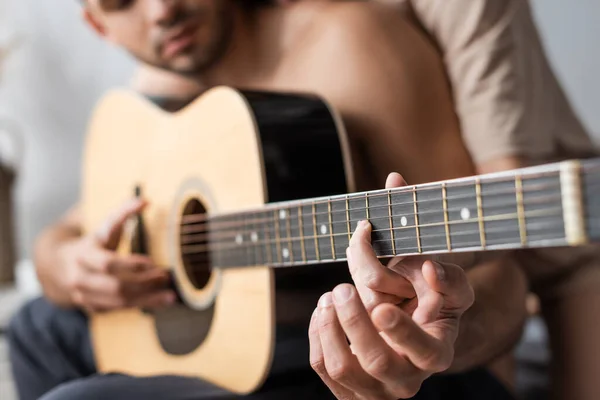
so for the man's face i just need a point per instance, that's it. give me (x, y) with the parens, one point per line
(184, 36)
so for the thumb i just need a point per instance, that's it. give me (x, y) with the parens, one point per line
(109, 233)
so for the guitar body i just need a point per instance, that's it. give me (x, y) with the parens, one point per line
(227, 151)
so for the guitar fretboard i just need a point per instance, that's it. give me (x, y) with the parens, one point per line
(532, 207)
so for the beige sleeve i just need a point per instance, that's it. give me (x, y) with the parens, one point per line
(507, 97)
(510, 103)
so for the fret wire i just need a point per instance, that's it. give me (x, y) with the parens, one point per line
(521, 209)
(277, 237)
(348, 219)
(331, 231)
(480, 212)
(417, 220)
(367, 205)
(301, 225)
(445, 207)
(288, 216)
(392, 235)
(314, 218)
(490, 218)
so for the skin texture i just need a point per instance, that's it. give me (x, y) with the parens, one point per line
(388, 83)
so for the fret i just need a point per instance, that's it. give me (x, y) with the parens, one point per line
(403, 219)
(367, 206)
(308, 230)
(330, 229)
(277, 236)
(255, 238)
(417, 220)
(357, 211)
(392, 236)
(248, 245)
(324, 238)
(462, 216)
(296, 234)
(430, 217)
(339, 227)
(445, 205)
(480, 212)
(301, 229)
(520, 209)
(287, 215)
(267, 241)
(500, 213)
(379, 217)
(544, 209)
(348, 220)
(314, 220)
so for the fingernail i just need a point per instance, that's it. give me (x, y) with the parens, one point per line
(387, 318)
(363, 224)
(314, 314)
(440, 271)
(342, 294)
(325, 300)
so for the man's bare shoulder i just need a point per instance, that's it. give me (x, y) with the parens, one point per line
(351, 41)
(342, 19)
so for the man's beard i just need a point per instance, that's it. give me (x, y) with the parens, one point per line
(201, 58)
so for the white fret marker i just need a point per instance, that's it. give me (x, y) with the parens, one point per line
(285, 252)
(254, 237)
(323, 229)
(282, 214)
(239, 239)
(465, 214)
(403, 221)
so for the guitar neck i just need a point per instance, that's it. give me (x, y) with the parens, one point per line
(544, 206)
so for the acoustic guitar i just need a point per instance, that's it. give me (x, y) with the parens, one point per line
(243, 183)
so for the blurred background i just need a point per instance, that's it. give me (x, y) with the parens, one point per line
(53, 70)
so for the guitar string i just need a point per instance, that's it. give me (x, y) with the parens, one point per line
(213, 225)
(211, 247)
(342, 247)
(340, 254)
(196, 218)
(247, 226)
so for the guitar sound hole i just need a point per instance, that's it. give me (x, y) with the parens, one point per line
(194, 243)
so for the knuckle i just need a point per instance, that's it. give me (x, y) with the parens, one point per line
(378, 364)
(351, 321)
(339, 372)
(374, 280)
(318, 365)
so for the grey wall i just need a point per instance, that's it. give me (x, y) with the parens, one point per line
(50, 85)
(572, 35)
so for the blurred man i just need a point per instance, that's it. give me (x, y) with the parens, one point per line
(388, 83)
